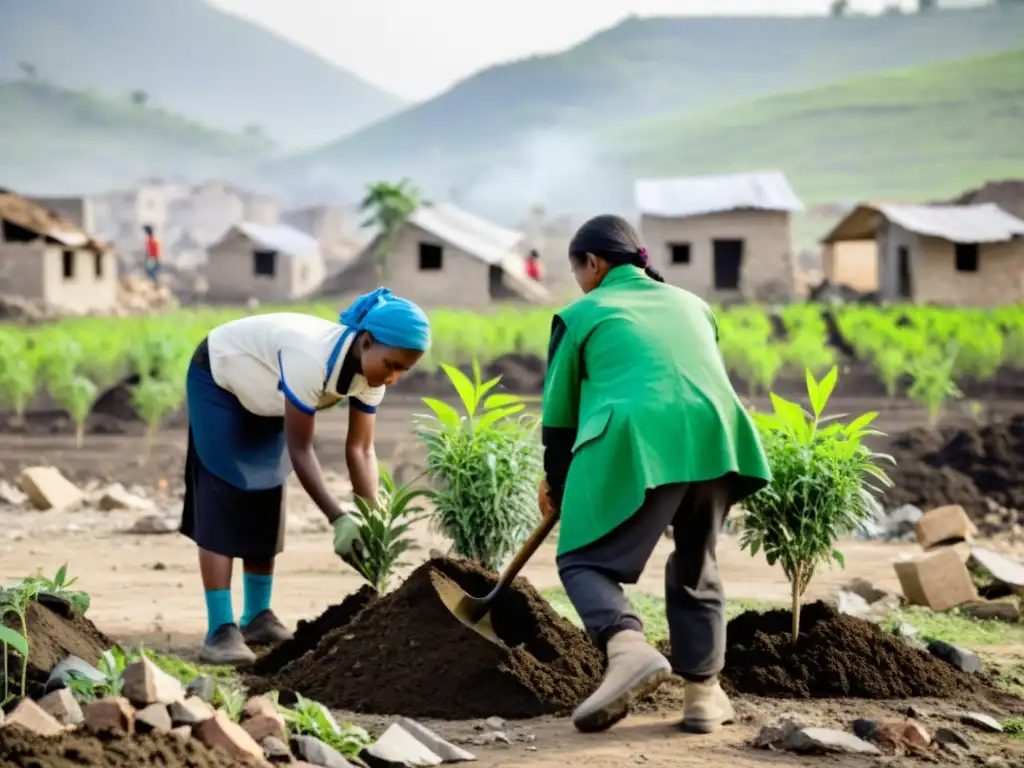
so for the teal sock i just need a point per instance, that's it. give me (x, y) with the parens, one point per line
(258, 587)
(218, 610)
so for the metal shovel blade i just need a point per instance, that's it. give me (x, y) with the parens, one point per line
(474, 612)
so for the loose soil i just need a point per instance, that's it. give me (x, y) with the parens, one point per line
(961, 466)
(308, 634)
(407, 653)
(52, 637)
(22, 749)
(836, 656)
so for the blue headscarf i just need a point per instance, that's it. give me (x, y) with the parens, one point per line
(391, 320)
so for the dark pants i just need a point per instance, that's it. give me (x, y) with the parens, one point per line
(694, 600)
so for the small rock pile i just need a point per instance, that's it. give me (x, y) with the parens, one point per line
(137, 294)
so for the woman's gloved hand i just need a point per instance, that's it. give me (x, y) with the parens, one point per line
(348, 543)
(547, 508)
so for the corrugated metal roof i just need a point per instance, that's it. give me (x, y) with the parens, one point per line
(699, 195)
(984, 223)
(279, 237)
(471, 234)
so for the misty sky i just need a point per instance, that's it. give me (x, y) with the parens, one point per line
(416, 48)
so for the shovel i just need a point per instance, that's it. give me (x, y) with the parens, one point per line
(474, 612)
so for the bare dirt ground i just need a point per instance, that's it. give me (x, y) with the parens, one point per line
(146, 588)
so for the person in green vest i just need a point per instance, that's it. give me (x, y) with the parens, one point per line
(642, 429)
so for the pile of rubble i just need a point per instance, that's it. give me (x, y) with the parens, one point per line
(137, 294)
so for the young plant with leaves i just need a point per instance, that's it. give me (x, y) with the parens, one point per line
(154, 398)
(310, 718)
(60, 587)
(17, 374)
(486, 464)
(384, 529)
(14, 602)
(823, 476)
(933, 382)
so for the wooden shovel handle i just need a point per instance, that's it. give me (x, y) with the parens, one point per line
(527, 551)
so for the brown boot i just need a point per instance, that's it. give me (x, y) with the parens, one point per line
(635, 669)
(706, 708)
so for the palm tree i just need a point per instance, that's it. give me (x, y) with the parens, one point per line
(387, 206)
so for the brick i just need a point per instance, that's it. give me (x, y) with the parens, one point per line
(944, 525)
(48, 489)
(113, 714)
(145, 683)
(220, 733)
(61, 704)
(32, 717)
(939, 580)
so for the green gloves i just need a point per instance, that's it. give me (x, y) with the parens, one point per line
(348, 544)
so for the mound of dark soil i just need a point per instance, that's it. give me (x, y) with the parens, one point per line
(406, 653)
(960, 466)
(53, 636)
(309, 633)
(22, 749)
(836, 656)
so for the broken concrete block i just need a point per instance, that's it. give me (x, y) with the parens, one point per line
(63, 706)
(59, 676)
(145, 683)
(951, 736)
(220, 733)
(993, 610)
(190, 711)
(276, 750)
(448, 752)
(1003, 569)
(981, 722)
(258, 705)
(397, 746)
(32, 717)
(955, 656)
(202, 686)
(314, 751)
(939, 580)
(155, 524)
(48, 489)
(263, 725)
(915, 734)
(183, 732)
(116, 497)
(944, 525)
(113, 714)
(154, 718)
(824, 740)
(11, 495)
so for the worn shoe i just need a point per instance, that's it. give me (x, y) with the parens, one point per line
(226, 646)
(706, 708)
(265, 629)
(635, 669)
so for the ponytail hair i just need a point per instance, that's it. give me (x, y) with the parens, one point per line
(615, 240)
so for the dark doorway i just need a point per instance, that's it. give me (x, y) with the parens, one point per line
(903, 272)
(728, 258)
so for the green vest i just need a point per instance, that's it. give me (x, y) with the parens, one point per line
(639, 376)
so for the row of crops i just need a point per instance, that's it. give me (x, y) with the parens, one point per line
(920, 352)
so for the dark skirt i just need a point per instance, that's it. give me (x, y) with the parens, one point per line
(218, 515)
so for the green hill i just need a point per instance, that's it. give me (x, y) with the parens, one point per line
(191, 58)
(918, 134)
(56, 140)
(640, 68)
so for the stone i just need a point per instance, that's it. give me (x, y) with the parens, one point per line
(111, 714)
(768, 737)
(63, 706)
(955, 656)
(951, 736)
(864, 729)
(944, 525)
(498, 737)
(145, 683)
(276, 750)
(901, 521)
(448, 752)
(1003, 569)
(263, 725)
(48, 489)
(153, 719)
(32, 717)
(116, 497)
(825, 740)
(981, 722)
(183, 732)
(220, 733)
(397, 746)
(938, 580)
(314, 751)
(866, 590)
(155, 524)
(11, 495)
(998, 610)
(915, 734)
(494, 723)
(202, 686)
(190, 711)
(258, 705)
(59, 676)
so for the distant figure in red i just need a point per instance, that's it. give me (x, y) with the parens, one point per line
(152, 254)
(533, 267)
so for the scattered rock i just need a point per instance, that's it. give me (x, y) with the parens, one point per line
(32, 717)
(956, 656)
(865, 729)
(116, 497)
(901, 523)
(63, 706)
(191, 711)
(111, 714)
(498, 737)
(915, 735)
(265, 724)
(494, 723)
(48, 489)
(276, 750)
(59, 676)
(448, 752)
(155, 717)
(825, 740)
(145, 683)
(999, 610)
(1002, 568)
(11, 495)
(183, 732)
(314, 751)
(981, 721)
(202, 686)
(220, 733)
(396, 746)
(951, 736)
(155, 524)
(258, 705)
